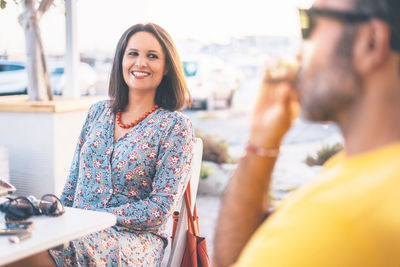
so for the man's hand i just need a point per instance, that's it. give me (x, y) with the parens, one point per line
(276, 106)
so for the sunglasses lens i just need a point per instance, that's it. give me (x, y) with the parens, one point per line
(19, 209)
(305, 24)
(51, 205)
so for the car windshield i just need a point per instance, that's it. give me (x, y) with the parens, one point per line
(190, 68)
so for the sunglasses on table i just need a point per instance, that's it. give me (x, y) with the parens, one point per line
(21, 208)
(308, 21)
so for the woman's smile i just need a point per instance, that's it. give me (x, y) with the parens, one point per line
(140, 74)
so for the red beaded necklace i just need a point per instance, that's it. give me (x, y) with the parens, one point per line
(130, 125)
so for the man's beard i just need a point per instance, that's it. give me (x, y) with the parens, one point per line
(329, 90)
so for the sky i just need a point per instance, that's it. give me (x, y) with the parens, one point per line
(101, 22)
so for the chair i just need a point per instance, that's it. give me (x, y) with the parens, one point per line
(179, 243)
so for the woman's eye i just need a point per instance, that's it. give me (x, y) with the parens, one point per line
(152, 56)
(133, 53)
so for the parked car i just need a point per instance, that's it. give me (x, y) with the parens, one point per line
(210, 79)
(14, 79)
(87, 78)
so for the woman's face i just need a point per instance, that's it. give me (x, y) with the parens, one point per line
(143, 63)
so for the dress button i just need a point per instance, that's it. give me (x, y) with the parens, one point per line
(110, 191)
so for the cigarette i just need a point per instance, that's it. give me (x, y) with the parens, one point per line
(18, 238)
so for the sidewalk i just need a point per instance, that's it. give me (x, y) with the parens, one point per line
(207, 210)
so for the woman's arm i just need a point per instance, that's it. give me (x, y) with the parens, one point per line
(68, 193)
(172, 174)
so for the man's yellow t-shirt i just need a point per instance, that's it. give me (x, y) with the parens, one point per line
(348, 216)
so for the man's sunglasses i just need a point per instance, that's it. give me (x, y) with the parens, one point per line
(308, 22)
(21, 208)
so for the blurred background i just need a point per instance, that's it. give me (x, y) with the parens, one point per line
(232, 38)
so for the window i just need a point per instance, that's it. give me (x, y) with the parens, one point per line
(58, 71)
(190, 68)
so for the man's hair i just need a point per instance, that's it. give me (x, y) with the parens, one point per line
(372, 6)
(389, 9)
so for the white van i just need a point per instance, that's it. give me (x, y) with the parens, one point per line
(209, 79)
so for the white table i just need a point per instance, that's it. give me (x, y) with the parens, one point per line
(49, 232)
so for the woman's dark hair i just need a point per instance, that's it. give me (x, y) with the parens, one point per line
(172, 93)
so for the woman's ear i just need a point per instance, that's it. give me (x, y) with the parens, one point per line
(371, 46)
(166, 69)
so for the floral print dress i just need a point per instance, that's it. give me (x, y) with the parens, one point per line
(139, 178)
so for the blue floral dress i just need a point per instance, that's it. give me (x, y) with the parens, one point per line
(139, 178)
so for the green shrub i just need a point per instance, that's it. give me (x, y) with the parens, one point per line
(206, 171)
(214, 149)
(323, 154)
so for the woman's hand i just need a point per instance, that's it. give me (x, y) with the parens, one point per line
(276, 107)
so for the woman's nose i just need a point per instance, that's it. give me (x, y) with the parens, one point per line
(140, 61)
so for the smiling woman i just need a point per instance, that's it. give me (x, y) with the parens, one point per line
(133, 156)
(146, 57)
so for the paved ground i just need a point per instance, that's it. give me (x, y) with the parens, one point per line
(207, 209)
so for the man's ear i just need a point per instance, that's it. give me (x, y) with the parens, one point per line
(371, 46)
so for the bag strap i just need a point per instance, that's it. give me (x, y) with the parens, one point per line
(193, 224)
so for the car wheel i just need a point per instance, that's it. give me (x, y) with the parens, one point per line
(203, 105)
(209, 104)
(229, 100)
(91, 91)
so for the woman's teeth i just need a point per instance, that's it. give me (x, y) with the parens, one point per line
(140, 74)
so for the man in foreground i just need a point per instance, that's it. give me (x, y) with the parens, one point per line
(348, 216)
